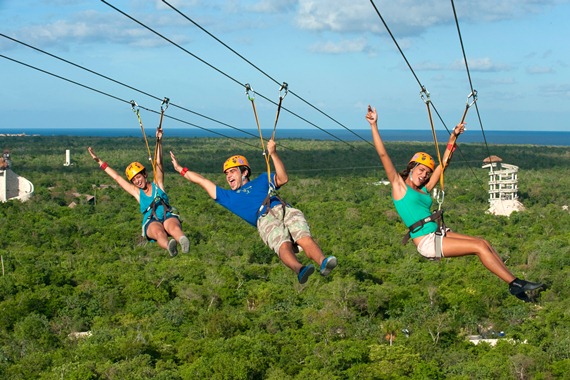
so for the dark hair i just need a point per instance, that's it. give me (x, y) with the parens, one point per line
(406, 172)
(244, 168)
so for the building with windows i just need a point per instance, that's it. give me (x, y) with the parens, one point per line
(503, 186)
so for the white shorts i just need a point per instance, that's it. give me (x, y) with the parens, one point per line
(426, 247)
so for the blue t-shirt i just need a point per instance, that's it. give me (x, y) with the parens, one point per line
(416, 205)
(246, 201)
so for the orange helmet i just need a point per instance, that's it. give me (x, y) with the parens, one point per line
(133, 169)
(424, 159)
(235, 161)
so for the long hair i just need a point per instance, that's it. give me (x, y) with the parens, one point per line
(406, 172)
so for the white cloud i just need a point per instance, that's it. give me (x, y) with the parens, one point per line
(407, 17)
(344, 46)
(272, 6)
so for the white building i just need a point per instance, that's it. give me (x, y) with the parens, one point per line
(503, 186)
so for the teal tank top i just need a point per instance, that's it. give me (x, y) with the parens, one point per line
(146, 201)
(416, 205)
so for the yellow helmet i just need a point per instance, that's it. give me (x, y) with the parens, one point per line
(133, 169)
(424, 159)
(235, 161)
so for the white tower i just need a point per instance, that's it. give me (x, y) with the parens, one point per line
(67, 158)
(503, 187)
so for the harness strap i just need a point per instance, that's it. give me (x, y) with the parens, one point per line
(267, 204)
(158, 200)
(436, 215)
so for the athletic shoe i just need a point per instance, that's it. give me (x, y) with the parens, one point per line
(185, 244)
(328, 264)
(172, 248)
(305, 272)
(518, 286)
(523, 297)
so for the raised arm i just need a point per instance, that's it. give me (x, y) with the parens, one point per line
(126, 185)
(451, 145)
(398, 184)
(159, 170)
(281, 177)
(191, 176)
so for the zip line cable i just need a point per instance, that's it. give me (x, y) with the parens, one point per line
(123, 100)
(469, 75)
(220, 71)
(261, 71)
(166, 116)
(125, 85)
(422, 87)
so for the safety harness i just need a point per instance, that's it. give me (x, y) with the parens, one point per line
(158, 201)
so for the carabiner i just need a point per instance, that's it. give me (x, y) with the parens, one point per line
(247, 90)
(439, 198)
(135, 106)
(426, 99)
(164, 104)
(284, 87)
(472, 95)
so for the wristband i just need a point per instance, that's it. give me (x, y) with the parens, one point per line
(104, 166)
(183, 172)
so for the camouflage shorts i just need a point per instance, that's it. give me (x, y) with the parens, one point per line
(277, 227)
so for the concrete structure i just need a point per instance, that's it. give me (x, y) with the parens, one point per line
(12, 186)
(67, 158)
(503, 187)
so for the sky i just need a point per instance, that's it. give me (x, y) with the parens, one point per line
(89, 59)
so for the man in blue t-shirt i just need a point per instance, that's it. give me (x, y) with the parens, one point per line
(282, 227)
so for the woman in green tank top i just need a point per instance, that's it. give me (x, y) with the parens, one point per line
(411, 195)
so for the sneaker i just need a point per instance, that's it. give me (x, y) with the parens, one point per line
(185, 244)
(518, 286)
(172, 248)
(328, 264)
(305, 272)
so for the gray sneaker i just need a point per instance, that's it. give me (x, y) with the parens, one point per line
(185, 244)
(172, 248)
(328, 264)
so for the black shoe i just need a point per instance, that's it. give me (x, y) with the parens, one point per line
(523, 297)
(518, 286)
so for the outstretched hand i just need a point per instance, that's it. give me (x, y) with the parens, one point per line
(93, 155)
(175, 163)
(371, 115)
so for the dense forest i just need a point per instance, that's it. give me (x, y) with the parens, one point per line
(82, 296)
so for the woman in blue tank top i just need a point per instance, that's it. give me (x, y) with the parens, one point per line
(411, 196)
(158, 220)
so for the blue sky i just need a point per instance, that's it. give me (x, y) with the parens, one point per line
(335, 55)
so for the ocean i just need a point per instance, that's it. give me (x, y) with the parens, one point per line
(470, 136)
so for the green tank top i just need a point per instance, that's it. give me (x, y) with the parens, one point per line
(416, 205)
